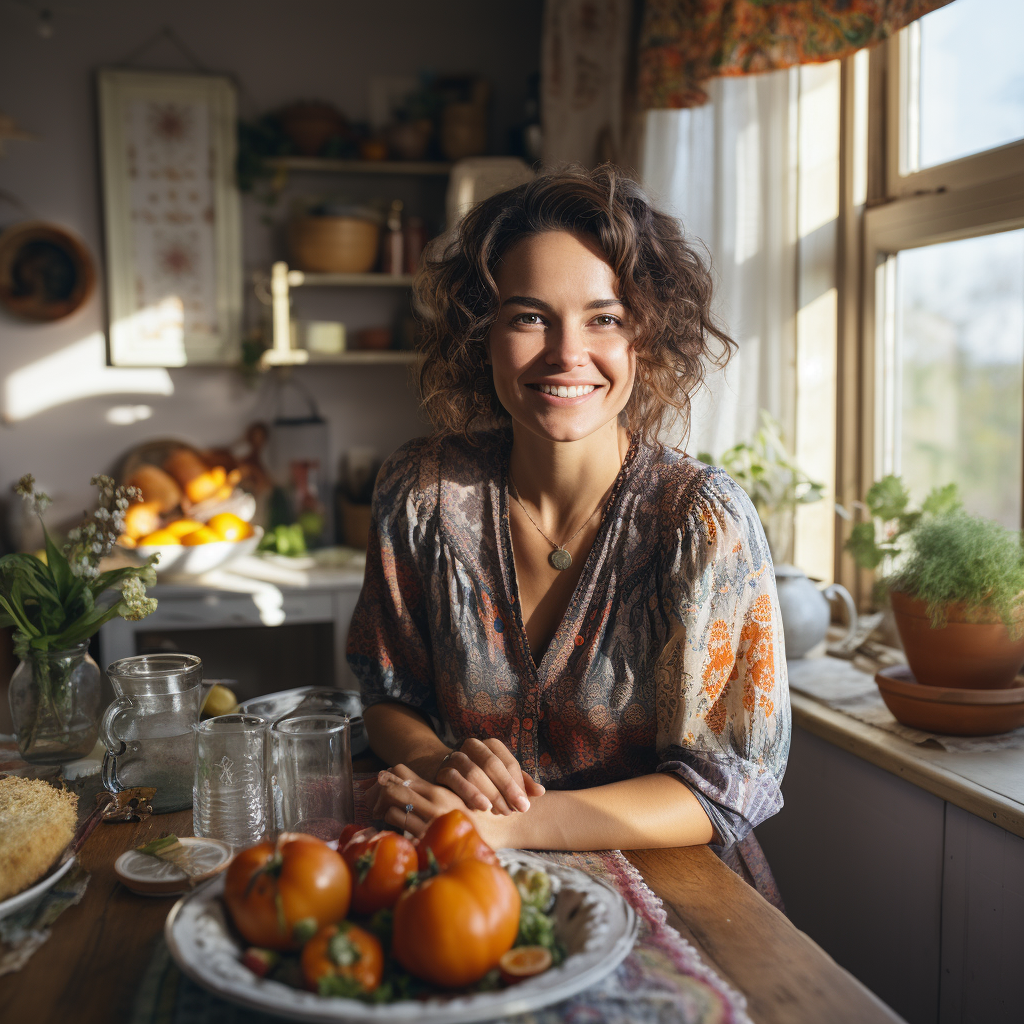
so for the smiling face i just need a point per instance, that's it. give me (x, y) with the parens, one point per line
(561, 348)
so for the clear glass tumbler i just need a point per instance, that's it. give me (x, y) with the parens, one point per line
(310, 767)
(229, 797)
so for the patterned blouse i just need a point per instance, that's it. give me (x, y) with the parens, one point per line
(669, 657)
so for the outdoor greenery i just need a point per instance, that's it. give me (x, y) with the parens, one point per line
(957, 558)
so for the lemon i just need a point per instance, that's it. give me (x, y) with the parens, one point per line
(219, 701)
(230, 526)
(158, 539)
(204, 535)
(183, 527)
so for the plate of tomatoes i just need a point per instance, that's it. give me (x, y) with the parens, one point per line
(438, 931)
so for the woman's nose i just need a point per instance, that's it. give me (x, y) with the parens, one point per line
(566, 347)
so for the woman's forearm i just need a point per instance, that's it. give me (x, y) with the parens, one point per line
(643, 813)
(400, 735)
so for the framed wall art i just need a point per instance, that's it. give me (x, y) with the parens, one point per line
(171, 206)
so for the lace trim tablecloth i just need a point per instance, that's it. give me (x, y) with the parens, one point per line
(842, 686)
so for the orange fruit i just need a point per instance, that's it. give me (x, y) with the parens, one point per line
(183, 527)
(523, 962)
(141, 519)
(204, 535)
(230, 526)
(158, 537)
(206, 485)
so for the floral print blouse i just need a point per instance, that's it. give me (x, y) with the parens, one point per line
(669, 657)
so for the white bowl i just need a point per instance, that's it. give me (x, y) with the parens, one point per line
(180, 560)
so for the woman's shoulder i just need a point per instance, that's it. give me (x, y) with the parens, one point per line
(700, 499)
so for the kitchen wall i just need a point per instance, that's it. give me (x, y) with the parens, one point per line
(323, 49)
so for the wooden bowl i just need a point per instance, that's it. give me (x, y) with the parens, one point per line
(949, 711)
(45, 272)
(334, 245)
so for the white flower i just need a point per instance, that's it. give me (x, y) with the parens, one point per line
(103, 514)
(97, 549)
(134, 603)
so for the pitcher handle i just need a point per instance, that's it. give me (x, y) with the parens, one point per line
(838, 590)
(114, 744)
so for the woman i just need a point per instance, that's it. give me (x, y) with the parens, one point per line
(566, 629)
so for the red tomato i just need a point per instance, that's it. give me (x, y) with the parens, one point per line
(456, 926)
(343, 951)
(349, 831)
(381, 863)
(269, 890)
(452, 838)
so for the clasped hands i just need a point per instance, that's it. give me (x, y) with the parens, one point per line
(481, 777)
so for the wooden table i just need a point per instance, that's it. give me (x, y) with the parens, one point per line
(90, 966)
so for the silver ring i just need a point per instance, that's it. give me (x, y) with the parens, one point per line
(444, 761)
(408, 808)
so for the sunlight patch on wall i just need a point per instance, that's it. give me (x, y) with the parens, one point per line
(78, 371)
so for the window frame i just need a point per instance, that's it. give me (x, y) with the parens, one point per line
(903, 175)
(976, 195)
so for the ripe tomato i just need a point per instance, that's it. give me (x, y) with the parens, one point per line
(349, 831)
(381, 864)
(453, 928)
(343, 951)
(269, 890)
(452, 838)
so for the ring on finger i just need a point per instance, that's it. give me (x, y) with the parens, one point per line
(405, 822)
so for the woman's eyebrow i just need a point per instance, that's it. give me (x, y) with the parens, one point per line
(527, 300)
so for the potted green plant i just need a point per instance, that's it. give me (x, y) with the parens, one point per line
(957, 602)
(54, 606)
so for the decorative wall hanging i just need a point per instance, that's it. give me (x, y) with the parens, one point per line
(45, 272)
(174, 266)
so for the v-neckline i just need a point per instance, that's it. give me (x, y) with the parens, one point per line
(511, 578)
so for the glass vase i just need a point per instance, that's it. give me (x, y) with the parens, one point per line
(55, 705)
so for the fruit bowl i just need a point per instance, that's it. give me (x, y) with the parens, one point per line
(180, 560)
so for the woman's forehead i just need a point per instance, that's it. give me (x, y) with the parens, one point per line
(553, 262)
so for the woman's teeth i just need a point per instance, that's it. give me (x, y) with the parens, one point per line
(563, 392)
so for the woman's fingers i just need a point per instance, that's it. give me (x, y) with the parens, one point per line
(533, 787)
(466, 780)
(410, 822)
(501, 768)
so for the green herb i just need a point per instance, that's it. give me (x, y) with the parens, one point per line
(285, 539)
(534, 887)
(52, 603)
(538, 929)
(957, 558)
(341, 950)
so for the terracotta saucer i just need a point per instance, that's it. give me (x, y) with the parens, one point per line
(949, 711)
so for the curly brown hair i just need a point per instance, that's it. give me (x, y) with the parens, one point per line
(664, 283)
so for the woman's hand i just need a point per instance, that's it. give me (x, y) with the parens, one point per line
(399, 787)
(487, 777)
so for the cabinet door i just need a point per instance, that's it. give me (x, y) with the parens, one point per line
(982, 922)
(857, 853)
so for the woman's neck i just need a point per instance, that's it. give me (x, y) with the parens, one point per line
(565, 481)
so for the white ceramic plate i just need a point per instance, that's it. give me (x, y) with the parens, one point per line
(179, 560)
(597, 926)
(13, 903)
(151, 876)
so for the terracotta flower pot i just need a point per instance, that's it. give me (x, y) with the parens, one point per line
(975, 653)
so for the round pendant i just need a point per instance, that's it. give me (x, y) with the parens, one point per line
(560, 558)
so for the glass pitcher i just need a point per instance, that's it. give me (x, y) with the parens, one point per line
(148, 729)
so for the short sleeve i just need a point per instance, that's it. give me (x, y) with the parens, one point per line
(723, 699)
(389, 648)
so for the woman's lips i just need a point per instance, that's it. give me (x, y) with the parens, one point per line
(573, 395)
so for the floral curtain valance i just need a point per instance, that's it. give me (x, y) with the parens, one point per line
(685, 42)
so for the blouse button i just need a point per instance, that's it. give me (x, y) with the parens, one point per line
(499, 626)
(579, 640)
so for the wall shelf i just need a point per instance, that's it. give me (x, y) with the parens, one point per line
(365, 357)
(322, 165)
(301, 279)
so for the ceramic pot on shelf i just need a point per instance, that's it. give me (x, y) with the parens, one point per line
(805, 609)
(970, 652)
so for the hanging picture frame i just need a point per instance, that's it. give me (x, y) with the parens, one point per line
(172, 217)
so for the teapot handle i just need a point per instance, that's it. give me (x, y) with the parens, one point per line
(838, 590)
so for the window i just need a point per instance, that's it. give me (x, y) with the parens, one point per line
(933, 212)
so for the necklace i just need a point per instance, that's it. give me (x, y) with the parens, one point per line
(559, 558)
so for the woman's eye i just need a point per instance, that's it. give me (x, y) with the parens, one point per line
(606, 320)
(528, 319)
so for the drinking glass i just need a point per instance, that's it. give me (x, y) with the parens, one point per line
(148, 728)
(310, 767)
(229, 798)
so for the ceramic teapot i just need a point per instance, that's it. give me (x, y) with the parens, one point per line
(805, 609)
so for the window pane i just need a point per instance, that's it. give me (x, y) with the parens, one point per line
(960, 345)
(972, 78)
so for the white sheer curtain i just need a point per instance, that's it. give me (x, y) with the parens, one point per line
(728, 171)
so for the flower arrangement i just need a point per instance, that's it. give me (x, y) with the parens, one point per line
(53, 605)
